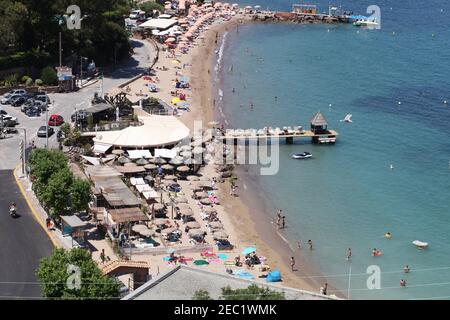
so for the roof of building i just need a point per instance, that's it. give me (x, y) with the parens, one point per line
(182, 282)
(115, 192)
(113, 265)
(73, 221)
(127, 214)
(319, 120)
(156, 131)
(98, 108)
(101, 171)
(160, 24)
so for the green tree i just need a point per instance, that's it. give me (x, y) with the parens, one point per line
(252, 292)
(44, 163)
(201, 295)
(55, 194)
(80, 193)
(49, 76)
(148, 7)
(54, 277)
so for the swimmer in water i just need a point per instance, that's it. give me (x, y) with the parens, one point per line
(406, 269)
(233, 90)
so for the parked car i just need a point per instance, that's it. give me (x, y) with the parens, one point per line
(43, 98)
(6, 117)
(33, 112)
(42, 132)
(3, 112)
(7, 99)
(18, 101)
(13, 93)
(55, 120)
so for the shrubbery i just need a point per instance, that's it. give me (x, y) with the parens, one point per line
(49, 76)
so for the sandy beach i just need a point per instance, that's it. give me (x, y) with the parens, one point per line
(246, 217)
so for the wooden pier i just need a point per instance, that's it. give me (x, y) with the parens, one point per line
(328, 136)
(319, 133)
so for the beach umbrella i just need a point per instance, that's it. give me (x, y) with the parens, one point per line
(170, 177)
(205, 201)
(158, 161)
(168, 230)
(219, 234)
(193, 225)
(180, 200)
(200, 262)
(147, 233)
(177, 160)
(150, 166)
(169, 182)
(160, 222)
(248, 250)
(215, 225)
(187, 213)
(196, 185)
(138, 227)
(201, 194)
(183, 206)
(149, 177)
(118, 152)
(167, 167)
(195, 232)
(183, 169)
(192, 178)
(209, 210)
(123, 160)
(130, 164)
(142, 162)
(186, 154)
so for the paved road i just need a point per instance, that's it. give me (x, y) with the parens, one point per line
(22, 244)
(65, 104)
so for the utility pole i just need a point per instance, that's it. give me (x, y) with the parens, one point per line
(81, 72)
(60, 50)
(46, 126)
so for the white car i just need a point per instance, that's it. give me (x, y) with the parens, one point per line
(13, 93)
(136, 14)
(7, 117)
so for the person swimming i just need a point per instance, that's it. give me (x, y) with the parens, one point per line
(388, 235)
(376, 252)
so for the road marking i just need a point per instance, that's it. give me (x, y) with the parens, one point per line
(36, 216)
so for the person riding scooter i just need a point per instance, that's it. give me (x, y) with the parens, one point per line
(12, 209)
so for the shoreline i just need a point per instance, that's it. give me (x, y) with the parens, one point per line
(249, 222)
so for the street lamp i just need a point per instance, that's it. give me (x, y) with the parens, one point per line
(81, 70)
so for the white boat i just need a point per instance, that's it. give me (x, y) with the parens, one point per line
(303, 155)
(365, 23)
(420, 244)
(348, 118)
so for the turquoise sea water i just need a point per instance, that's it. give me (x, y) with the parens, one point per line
(347, 195)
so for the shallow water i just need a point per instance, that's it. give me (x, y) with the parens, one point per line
(347, 195)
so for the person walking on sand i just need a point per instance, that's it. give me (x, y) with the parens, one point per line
(299, 244)
(292, 263)
(310, 244)
(349, 254)
(325, 289)
(283, 222)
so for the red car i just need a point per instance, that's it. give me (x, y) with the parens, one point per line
(55, 120)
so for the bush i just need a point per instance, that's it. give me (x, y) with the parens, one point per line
(12, 79)
(29, 82)
(38, 82)
(148, 7)
(49, 76)
(24, 79)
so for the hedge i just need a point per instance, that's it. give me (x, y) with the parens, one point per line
(22, 59)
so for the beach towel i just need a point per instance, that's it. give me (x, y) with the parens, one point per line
(166, 258)
(243, 274)
(214, 260)
(229, 263)
(222, 256)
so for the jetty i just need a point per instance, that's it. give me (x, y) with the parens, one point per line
(318, 133)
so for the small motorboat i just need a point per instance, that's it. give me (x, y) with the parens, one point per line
(348, 118)
(303, 155)
(420, 244)
(365, 23)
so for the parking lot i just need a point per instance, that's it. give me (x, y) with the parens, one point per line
(65, 104)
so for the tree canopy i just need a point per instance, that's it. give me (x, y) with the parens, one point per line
(74, 275)
(34, 26)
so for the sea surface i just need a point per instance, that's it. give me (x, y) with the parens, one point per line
(394, 82)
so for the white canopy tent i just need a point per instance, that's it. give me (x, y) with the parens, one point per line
(137, 154)
(160, 24)
(165, 153)
(101, 147)
(156, 131)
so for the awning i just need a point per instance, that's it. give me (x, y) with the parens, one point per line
(73, 221)
(152, 194)
(101, 147)
(137, 154)
(165, 153)
(127, 214)
(92, 160)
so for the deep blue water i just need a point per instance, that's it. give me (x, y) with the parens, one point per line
(347, 195)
